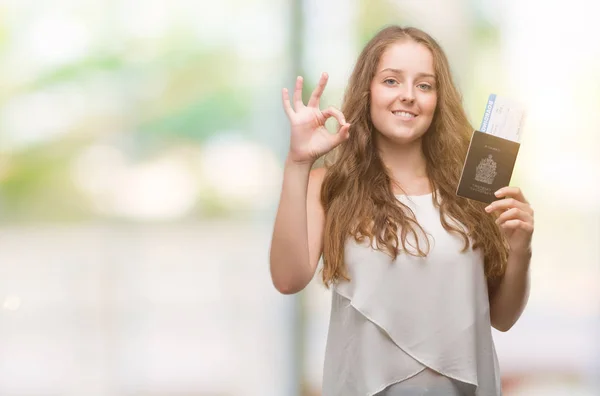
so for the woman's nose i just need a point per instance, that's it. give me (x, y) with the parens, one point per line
(407, 95)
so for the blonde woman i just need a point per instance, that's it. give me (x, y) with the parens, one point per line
(418, 275)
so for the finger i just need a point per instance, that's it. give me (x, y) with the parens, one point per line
(342, 135)
(513, 192)
(287, 106)
(514, 214)
(502, 205)
(518, 224)
(316, 95)
(298, 94)
(333, 112)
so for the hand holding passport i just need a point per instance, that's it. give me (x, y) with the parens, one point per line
(493, 150)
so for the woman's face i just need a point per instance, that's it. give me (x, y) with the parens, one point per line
(403, 92)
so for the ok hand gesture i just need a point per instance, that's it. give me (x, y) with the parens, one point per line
(309, 137)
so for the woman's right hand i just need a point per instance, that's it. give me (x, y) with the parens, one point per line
(309, 137)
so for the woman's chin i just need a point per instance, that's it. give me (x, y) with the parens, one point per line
(402, 136)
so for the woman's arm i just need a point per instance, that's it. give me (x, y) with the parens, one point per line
(297, 241)
(509, 297)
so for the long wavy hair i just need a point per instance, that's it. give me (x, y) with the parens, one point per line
(357, 190)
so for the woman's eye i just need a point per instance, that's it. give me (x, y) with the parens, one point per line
(425, 87)
(389, 81)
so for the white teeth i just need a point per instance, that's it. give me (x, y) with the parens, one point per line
(404, 114)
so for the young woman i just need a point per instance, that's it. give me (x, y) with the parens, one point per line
(418, 274)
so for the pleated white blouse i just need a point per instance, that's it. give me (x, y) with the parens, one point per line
(413, 326)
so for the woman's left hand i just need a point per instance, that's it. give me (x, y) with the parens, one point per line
(515, 219)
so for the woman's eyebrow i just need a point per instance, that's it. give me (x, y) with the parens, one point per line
(398, 71)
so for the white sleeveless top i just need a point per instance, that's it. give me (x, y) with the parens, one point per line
(414, 324)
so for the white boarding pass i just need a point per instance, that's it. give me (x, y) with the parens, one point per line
(504, 118)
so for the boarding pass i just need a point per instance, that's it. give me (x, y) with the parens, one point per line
(503, 118)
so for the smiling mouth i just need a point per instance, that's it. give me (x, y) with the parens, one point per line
(404, 114)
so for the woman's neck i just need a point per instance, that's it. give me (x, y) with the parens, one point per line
(407, 166)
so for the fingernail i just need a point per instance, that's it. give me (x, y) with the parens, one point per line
(497, 193)
(488, 208)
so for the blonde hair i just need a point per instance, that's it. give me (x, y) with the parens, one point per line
(357, 190)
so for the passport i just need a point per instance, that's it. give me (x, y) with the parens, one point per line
(493, 150)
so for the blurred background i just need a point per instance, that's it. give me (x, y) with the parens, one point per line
(141, 154)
